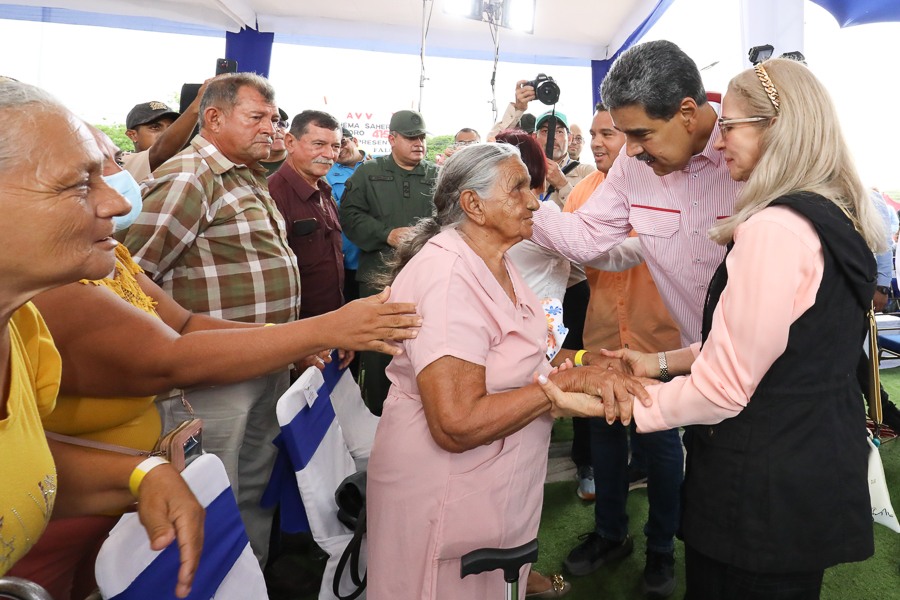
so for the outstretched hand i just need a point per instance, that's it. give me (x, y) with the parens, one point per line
(168, 510)
(640, 364)
(596, 393)
(365, 324)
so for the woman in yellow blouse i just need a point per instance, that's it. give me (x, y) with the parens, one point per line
(123, 341)
(56, 227)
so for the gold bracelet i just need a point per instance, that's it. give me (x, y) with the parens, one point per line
(140, 471)
(268, 324)
(578, 358)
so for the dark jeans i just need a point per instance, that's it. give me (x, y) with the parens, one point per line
(709, 579)
(574, 312)
(665, 470)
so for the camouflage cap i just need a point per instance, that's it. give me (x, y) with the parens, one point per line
(148, 112)
(409, 123)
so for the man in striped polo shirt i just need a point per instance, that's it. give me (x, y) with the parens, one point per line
(670, 185)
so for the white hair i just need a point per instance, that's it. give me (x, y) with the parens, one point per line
(21, 105)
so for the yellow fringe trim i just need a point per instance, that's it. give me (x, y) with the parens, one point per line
(125, 285)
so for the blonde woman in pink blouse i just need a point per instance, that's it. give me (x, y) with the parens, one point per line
(460, 454)
(775, 489)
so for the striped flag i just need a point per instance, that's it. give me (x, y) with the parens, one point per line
(127, 569)
(316, 454)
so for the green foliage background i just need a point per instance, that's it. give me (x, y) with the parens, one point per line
(116, 133)
(436, 145)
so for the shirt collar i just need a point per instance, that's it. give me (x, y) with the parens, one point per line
(450, 240)
(216, 160)
(709, 153)
(302, 187)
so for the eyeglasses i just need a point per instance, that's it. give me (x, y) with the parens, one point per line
(726, 125)
(577, 140)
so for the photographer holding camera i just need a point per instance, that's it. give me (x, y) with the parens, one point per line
(563, 173)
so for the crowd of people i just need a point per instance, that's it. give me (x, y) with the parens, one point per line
(711, 270)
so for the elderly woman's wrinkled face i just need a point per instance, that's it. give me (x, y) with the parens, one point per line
(57, 210)
(510, 210)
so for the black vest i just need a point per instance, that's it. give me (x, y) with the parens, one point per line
(782, 486)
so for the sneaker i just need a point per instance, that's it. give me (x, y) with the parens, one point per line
(585, 477)
(636, 479)
(595, 551)
(659, 575)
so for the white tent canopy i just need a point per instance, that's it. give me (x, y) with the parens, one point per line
(579, 29)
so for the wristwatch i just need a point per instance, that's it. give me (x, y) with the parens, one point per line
(663, 366)
(884, 289)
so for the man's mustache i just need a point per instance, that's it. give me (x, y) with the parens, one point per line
(323, 161)
(646, 157)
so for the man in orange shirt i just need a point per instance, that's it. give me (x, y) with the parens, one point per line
(625, 310)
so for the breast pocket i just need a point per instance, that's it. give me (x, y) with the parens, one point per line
(657, 222)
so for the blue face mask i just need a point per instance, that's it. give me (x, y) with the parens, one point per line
(125, 184)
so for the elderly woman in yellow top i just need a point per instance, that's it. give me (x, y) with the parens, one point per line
(56, 227)
(122, 340)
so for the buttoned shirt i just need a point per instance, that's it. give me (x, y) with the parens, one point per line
(318, 249)
(625, 310)
(211, 236)
(671, 215)
(379, 197)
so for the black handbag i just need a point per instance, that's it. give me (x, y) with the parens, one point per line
(350, 497)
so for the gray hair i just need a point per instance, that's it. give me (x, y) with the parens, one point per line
(222, 92)
(477, 168)
(655, 75)
(21, 105)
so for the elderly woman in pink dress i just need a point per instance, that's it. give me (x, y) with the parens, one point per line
(775, 489)
(460, 455)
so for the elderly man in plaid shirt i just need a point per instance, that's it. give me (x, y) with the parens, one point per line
(211, 236)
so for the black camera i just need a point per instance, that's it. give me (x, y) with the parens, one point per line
(545, 89)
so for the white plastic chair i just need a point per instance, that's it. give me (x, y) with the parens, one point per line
(328, 432)
(127, 569)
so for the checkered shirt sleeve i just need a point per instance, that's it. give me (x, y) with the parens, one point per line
(211, 236)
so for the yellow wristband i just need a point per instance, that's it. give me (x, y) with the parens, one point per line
(140, 471)
(578, 358)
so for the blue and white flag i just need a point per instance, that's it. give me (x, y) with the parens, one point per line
(317, 453)
(127, 569)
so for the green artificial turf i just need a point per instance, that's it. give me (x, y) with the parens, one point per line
(565, 517)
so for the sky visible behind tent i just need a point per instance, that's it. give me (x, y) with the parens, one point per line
(100, 73)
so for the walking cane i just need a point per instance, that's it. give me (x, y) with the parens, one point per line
(510, 560)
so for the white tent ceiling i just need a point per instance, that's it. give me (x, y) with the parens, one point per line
(581, 29)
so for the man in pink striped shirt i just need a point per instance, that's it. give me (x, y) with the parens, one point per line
(670, 185)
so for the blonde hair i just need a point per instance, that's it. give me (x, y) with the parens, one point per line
(802, 150)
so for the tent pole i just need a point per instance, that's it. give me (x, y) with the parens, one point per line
(425, 20)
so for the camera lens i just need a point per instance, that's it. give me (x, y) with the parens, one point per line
(548, 92)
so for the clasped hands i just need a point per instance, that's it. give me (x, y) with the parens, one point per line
(606, 388)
